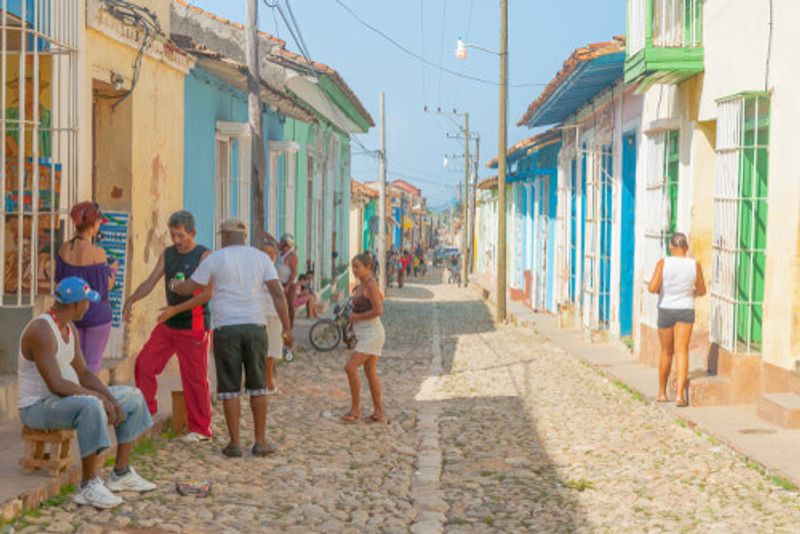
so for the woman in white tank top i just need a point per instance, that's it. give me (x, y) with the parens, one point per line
(677, 279)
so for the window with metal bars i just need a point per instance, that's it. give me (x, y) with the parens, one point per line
(38, 156)
(660, 209)
(740, 222)
(597, 239)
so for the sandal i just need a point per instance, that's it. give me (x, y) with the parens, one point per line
(262, 450)
(232, 451)
(349, 418)
(375, 419)
(681, 404)
(662, 400)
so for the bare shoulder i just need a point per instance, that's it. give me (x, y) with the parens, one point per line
(99, 254)
(373, 287)
(37, 334)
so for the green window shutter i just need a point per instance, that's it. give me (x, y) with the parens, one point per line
(672, 162)
(753, 181)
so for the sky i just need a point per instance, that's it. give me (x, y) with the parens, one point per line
(542, 35)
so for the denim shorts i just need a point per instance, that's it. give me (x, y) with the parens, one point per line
(85, 413)
(667, 318)
(236, 348)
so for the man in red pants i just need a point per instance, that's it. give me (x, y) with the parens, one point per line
(183, 328)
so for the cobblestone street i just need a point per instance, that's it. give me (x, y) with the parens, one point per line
(490, 429)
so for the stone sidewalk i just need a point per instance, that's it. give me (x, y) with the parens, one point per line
(738, 426)
(492, 428)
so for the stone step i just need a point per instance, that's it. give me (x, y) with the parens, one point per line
(710, 391)
(783, 409)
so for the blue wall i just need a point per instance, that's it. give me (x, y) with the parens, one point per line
(627, 242)
(209, 99)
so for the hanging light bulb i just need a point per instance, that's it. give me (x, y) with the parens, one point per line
(461, 50)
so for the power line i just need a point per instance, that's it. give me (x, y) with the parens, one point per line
(422, 42)
(420, 58)
(466, 36)
(441, 48)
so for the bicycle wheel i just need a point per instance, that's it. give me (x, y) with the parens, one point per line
(325, 335)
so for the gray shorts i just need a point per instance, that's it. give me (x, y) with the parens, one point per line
(667, 318)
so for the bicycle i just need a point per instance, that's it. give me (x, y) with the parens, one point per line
(326, 334)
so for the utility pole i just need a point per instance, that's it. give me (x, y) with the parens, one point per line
(258, 178)
(473, 203)
(382, 200)
(501, 165)
(465, 225)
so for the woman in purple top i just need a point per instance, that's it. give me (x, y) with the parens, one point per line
(81, 257)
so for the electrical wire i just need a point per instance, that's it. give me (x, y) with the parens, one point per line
(422, 43)
(420, 58)
(297, 36)
(134, 15)
(441, 48)
(466, 36)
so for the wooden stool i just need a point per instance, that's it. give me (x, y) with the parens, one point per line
(179, 416)
(56, 460)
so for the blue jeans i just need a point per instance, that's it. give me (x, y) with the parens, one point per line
(86, 414)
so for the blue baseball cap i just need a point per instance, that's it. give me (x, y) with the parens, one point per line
(74, 289)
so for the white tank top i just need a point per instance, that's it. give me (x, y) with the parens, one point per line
(31, 386)
(678, 284)
(284, 271)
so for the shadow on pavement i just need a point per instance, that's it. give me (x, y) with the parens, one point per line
(496, 473)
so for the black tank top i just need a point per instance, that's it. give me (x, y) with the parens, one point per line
(174, 263)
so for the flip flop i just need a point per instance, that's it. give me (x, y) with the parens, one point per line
(262, 451)
(662, 400)
(372, 419)
(349, 419)
(683, 404)
(232, 451)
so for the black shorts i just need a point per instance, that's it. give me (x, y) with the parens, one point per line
(237, 347)
(668, 318)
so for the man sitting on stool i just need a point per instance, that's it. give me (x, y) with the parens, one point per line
(58, 392)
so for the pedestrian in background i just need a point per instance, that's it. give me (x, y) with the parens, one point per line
(81, 257)
(286, 265)
(367, 302)
(305, 296)
(238, 274)
(274, 328)
(678, 280)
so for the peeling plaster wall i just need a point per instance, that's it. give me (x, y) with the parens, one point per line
(140, 163)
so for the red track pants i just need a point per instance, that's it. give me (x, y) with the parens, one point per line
(192, 349)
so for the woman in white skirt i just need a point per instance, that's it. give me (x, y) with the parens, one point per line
(677, 279)
(274, 327)
(367, 302)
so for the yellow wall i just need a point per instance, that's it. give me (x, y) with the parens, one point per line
(139, 161)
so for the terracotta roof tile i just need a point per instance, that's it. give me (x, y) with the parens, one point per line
(527, 143)
(580, 55)
(488, 183)
(357, 188)
(281, 51)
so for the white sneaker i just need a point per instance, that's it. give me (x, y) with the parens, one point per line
(195, 437)
(131, 481)
(96, 494)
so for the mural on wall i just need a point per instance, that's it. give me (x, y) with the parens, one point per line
(19, 183)
(113, 238)
(14, 111)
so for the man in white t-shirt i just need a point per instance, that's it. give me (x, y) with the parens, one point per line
(238, 274)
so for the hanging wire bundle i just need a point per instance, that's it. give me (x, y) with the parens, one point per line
(142, 18)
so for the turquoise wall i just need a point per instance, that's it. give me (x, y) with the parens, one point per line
(209, 99)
